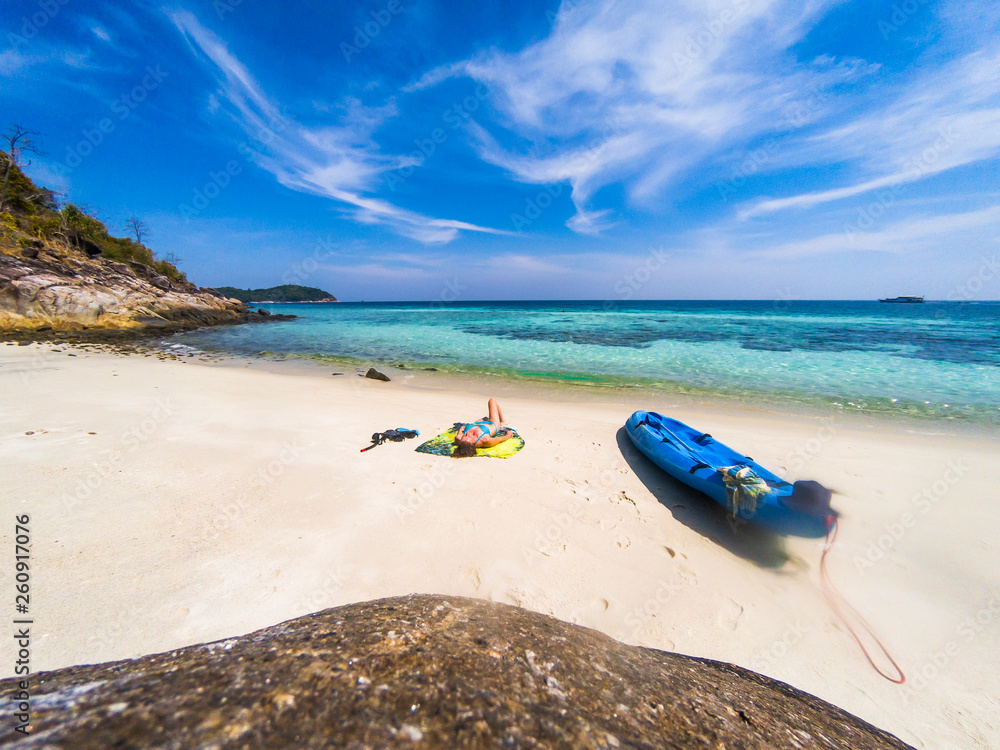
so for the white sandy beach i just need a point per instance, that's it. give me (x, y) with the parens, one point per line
(213, 500)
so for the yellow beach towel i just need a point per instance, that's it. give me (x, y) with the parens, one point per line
(444, 445)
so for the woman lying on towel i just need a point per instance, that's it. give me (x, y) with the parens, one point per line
(485, 433)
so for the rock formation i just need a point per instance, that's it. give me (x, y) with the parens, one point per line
(426, 671)
(49, 291)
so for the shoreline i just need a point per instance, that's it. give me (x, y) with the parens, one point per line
(231, 495)
(433, 377)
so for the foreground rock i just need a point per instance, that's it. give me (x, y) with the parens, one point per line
(427, 671)
(52, 292)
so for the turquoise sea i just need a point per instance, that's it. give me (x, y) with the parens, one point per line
(933, 360)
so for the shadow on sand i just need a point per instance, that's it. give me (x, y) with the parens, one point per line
(702, 514)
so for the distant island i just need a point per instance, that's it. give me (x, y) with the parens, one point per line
(283, 293)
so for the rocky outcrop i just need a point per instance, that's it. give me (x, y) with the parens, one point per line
(42, 290)
(427, 671)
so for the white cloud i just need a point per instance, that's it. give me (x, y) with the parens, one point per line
(638, 93)
(48, 177)
(906, 236)
(946, 118)
(14, 62)
(642, 94)
(338, 162)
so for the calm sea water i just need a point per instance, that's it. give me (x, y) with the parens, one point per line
(935, 360)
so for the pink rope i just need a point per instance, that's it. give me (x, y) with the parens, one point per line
(839, 605)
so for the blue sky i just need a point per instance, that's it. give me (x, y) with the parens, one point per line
(595, 149)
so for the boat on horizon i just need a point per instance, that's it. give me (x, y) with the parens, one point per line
(902, 299)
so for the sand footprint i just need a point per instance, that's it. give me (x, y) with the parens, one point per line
(623, 497)
(729, 614)
(590, 612)
(473, 575)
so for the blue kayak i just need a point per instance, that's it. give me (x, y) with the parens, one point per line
(744, 487)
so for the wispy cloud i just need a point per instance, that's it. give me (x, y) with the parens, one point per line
(946, 118)
(11, 61)
(100, 32)
(53, 179)
(338, 161)
(639, 93)
(14, 62)
(902, 237)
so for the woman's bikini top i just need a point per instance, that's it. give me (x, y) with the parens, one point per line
(486, 427)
